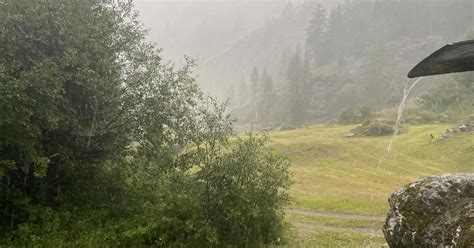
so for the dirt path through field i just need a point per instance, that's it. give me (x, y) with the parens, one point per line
(363, 230)
(314, 226)
(307, 212)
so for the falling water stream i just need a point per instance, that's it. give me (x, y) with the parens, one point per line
(406, 93)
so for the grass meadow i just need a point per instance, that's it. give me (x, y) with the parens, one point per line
(341, 185)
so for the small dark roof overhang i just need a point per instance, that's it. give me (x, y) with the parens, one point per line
(454, 57)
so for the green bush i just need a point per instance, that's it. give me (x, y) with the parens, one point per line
(245, 193)
(451, 102)
(353, 115)
(102, 144)
(233, 197)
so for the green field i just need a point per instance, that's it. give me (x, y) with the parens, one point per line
(341, 185)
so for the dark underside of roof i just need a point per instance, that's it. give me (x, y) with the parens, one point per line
(454, 57)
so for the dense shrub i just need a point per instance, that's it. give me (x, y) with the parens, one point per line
(450, 102)
(244, 193)
(103, 144)
(353, 115)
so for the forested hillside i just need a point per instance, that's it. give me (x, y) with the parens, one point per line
(354, 54)
(115, 132)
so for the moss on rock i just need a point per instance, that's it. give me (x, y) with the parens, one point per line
(432, 212)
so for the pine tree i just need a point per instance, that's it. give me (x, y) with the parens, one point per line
(266, 82)
(287, 10)
(285, 56)
(266, 103)
(294, 67)
(307, 88)
(254, 80)
(315, 34)
(243, 93)
(295, 80)
(333, 42)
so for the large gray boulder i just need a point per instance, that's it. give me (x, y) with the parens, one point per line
(432, 212)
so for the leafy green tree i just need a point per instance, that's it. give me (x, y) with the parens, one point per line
(74, 86)
(103, 144)
(245, 193)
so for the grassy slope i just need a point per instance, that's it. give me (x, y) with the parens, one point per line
(357, 175)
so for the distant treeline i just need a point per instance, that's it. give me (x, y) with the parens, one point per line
(355, 54)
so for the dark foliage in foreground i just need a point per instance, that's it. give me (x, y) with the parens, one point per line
(103, 143)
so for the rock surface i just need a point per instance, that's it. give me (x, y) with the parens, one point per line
(373, 128)
(432, 212)
(463, 128)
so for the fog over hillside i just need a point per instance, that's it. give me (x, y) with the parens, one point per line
(354, 53)
(203, 29)
(227, 38)
(236, 123)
